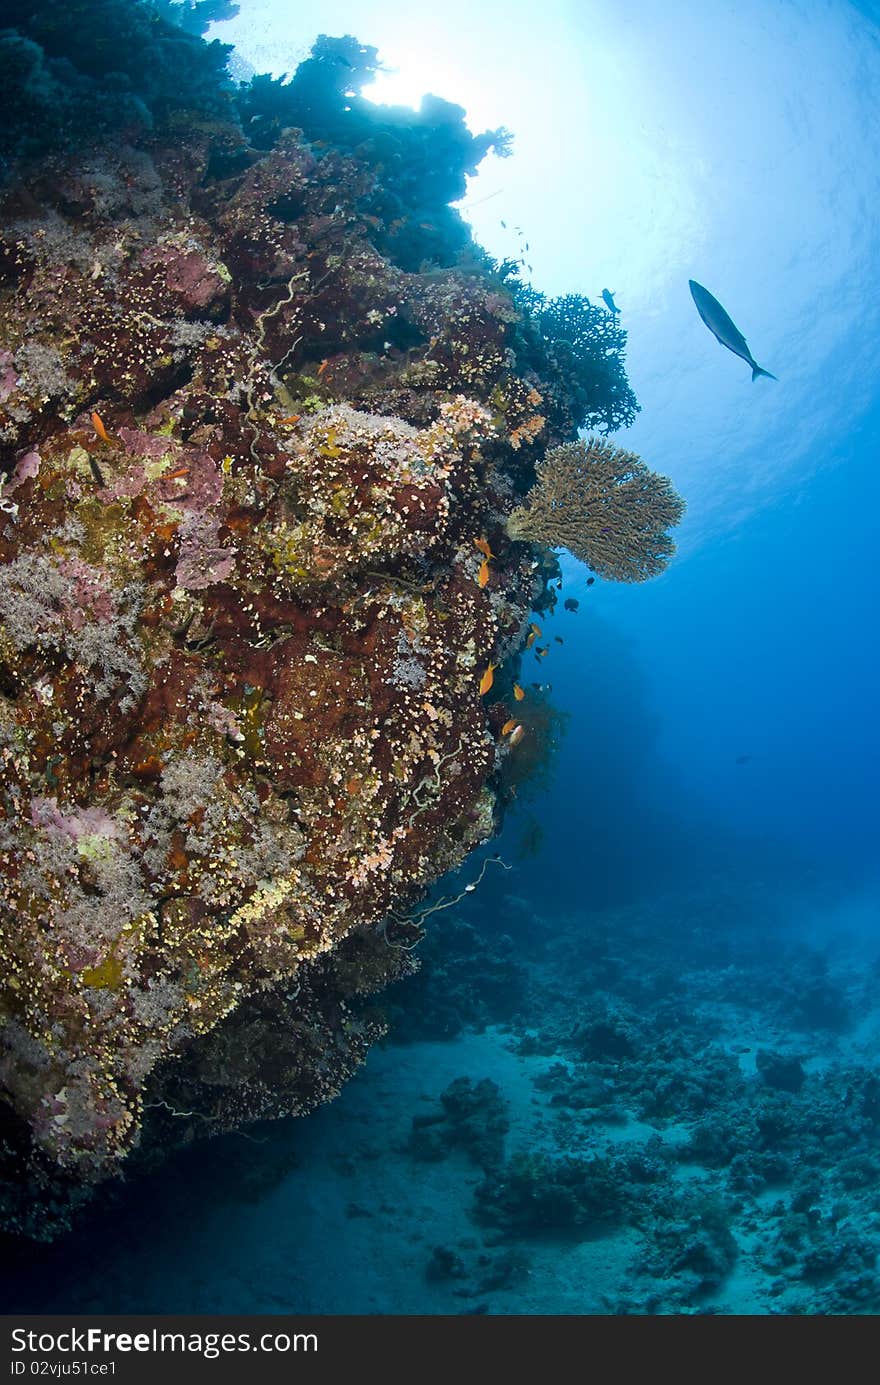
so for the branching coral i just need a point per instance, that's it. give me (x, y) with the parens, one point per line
(605, 506)
(580, 349)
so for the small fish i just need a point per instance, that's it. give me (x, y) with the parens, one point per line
(487, 679)
(542, 653)
(516, 735)
(322, 367)
(96, 472)
(98, 425)
(483, 545)
(291, 418)
(559, 639)
(571, 603)
(590, 581)
(483, 574)
(608, 300)
(518, 692)
(508, 726)
(175, 475)
(722, 328)
(534, 632)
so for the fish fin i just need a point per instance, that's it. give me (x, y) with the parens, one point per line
(756, 371)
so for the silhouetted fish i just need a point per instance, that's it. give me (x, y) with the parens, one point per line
(571, 604)
(722, 328)
(590, 581)
(608, 300)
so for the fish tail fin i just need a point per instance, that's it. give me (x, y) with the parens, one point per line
(756, 371)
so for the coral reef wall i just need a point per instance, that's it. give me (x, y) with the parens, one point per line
(254, 462)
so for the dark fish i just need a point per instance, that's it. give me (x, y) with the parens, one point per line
(608, 300)
(558, 639)
(722, 328)
(96, 472)
(571, 604)
(590, 581)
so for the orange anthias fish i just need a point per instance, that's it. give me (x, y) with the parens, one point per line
(518, 692)
(291, 418)
(483, 574)
(322, 367)
(98, 425)
(483, 545)
(517, 734)
(508, 726)
(487, 679)
(534, 632)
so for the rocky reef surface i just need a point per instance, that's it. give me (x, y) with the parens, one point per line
(264, 412)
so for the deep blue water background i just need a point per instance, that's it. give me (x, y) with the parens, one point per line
(763, 644)
(759, 642)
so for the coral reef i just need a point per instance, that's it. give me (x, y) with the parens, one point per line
(72, 70)
(650, 1166)
(656, 1129)
(196, 16)
(605, 506)
(578, 349)
(472, 1118)
(260, 419)
(467, 977)
(543, 1195)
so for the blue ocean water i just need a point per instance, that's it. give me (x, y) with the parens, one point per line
(672, 976)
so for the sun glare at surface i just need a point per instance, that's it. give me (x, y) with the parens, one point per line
(408, 84)
(639, 162)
